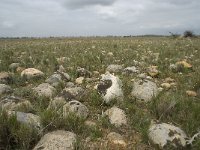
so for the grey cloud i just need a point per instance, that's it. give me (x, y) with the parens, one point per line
(97, 17)
(77, 4)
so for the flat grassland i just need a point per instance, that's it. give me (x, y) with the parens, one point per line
(95, 54)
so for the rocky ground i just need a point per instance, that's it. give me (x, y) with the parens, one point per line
(100, 93)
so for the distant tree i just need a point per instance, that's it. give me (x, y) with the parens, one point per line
(188, 33)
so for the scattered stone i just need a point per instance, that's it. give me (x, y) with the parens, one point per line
(184, 63)
(144, 90)
(149, 78)
(95, 73)
(46, 90)
(142, 76)
(166, 85)
(110, 87)
(130, 70)
(167, 135)
(32, 73)
(79, 80)
(65, 76)
(180, 66)
(5, 89)
(72, 93)
(5, 78)
(114, 68)
(13, 67)
(90, 123)
(191, 93)
(173, 67)
(62, 60)
(12, 103)
(61, 69)
(156, 56)
(69, 85)
(110, 54)
(57, 140)
(27, 118)
(91, 80)
(75, 107)
(82, 72)
(116, 116)
(173, 84)
(54, 80)
(116, 139)
(152, 71)
(169, 80)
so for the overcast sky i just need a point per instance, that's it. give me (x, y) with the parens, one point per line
(97, 17)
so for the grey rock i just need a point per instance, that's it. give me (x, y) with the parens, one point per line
(130, 70)
(65, 76)
(13, 67)
(144, 90)
(116, 116)
(75, 107)
(72, 93)
(142, 76)
(61, 68)
(113, 68)
(13, 103)
(167, 135)
(54, 80)
(45, 90)
(27, 118)
(69, 85)
(57, 140)
(5, 89)
(110, 87)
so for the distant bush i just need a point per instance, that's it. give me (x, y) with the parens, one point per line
(188, 33)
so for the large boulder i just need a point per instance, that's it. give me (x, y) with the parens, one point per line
(167, 136)
(116, 116)
(144, 90)
(57, 140)
(5, 89)
(13, 103)
(75, 107)
(110, 87)
(113, 68)
(31, 73)
(45, 89)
